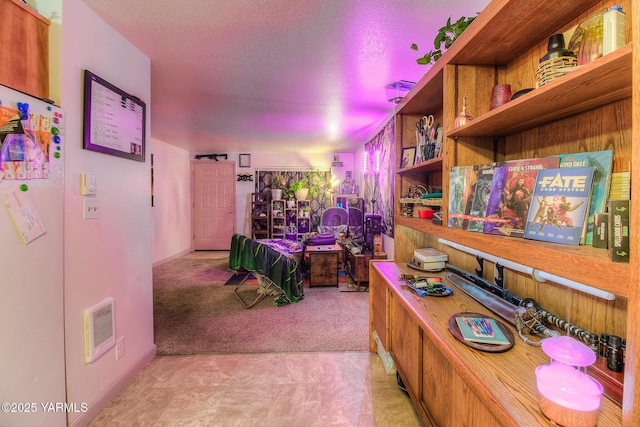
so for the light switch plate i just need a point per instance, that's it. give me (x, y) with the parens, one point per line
(91, 209)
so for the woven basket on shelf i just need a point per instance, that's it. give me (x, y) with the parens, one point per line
(554, 68)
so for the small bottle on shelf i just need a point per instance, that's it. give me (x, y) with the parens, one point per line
(604, 342)
(614, 358)
(594, 344)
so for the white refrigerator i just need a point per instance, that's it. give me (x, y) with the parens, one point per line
(32, 371)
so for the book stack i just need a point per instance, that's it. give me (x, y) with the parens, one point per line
(429, 259)
(501, 198)
(620, 186)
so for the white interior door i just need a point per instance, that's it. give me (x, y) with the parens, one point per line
(213, 204)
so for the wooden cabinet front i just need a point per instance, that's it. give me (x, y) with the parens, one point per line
(323, 265)
(451, 384)
(24, 47)
(447, 397)
(358, 266)
(405, 346)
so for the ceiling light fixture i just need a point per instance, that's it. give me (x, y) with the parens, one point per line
(396, 90)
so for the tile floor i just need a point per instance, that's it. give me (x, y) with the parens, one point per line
(284, 389)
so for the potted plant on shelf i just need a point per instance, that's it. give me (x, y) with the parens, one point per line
(304, 187)
(288, 195)
(278, 183)
(300, 188)
(446, 35)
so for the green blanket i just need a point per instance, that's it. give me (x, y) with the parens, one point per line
(283, 271)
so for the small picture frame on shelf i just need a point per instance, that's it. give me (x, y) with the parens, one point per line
(408, 157)
(244, 160)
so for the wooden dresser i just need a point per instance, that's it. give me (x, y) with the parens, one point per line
(449, 382)
(24, 49)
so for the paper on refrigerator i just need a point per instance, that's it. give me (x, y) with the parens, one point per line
(24, 215)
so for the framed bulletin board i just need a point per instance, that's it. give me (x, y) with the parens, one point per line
(114, 121)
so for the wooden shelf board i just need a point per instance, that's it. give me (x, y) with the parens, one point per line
(485, 42)
(598, 83)
(430, 89)
(433, 165)
(418, 201)
(582, 264)
(499, 34)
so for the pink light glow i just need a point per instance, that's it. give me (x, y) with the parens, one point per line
(562, 382)
(568, 387)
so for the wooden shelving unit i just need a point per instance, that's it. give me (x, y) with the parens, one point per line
(303, 222)
(515, 129)
(260, 218)
(278, 219)
(588, 109)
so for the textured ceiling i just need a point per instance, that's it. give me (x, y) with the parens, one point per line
(276, 75)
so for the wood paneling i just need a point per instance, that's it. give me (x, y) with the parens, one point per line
(406, 349)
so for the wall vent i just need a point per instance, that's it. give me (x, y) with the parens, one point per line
(99, 329)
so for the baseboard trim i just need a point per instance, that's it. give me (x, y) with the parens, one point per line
(178, 255)
(107, 396)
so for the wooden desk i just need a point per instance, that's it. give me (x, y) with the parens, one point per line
(323, 265)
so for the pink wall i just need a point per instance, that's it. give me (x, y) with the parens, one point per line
(172, 207)
(109, 256)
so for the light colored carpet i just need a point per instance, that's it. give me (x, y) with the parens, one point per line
(194, 313)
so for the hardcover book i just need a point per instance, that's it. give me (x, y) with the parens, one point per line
(481, 330)
(431, 265)
(510, 196)
(457, 199)
(481, 194)
(560, 205)
(429, 255)
(470, 180)
(602, 161)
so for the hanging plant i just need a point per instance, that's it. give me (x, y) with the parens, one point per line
(445, 36)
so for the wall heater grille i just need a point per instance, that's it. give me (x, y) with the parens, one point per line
(99, 329)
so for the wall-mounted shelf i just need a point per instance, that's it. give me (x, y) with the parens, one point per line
(582, 264)
(598, 83)
(433, 165)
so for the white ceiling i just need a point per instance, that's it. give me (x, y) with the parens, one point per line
(276, 75)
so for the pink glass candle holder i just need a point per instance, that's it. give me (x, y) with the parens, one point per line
(500, 95)
(567, 395)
